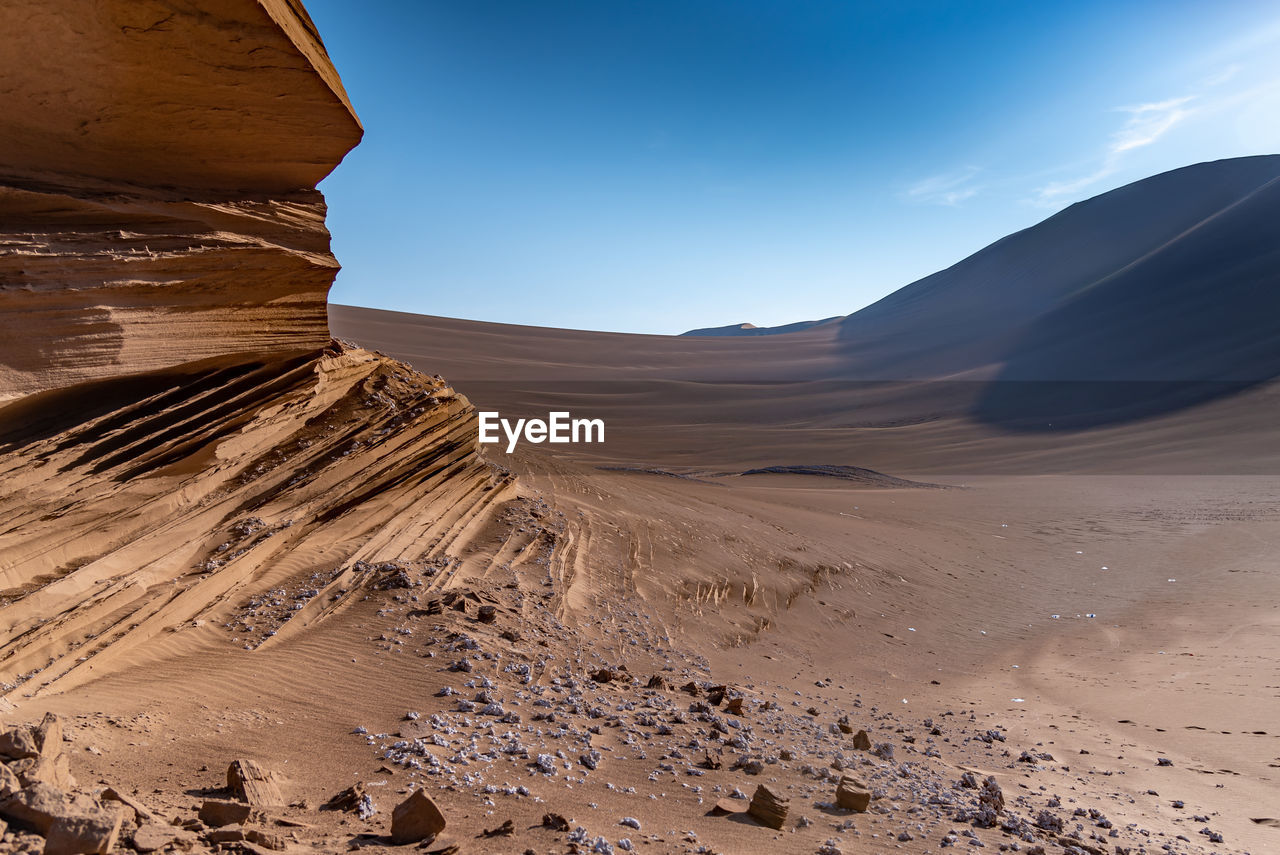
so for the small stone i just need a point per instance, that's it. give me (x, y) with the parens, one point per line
(862, 741)
(555, 822)
(416, 818)
(844, 725)
(507, 828)
(768, 808)
(265, 839)
(487, 614)
(725, 806)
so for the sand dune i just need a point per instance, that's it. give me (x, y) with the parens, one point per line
(752, 329)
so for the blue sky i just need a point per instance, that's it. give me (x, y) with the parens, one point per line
(654, 166)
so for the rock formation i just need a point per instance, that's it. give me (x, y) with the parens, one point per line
(185, 435)
(157, 195)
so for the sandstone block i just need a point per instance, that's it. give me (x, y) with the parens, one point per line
(416, 818)
(769, 808)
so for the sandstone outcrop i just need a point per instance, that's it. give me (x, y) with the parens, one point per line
(180, 422)
(157, 196)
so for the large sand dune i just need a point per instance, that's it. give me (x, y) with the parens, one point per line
(228, 538)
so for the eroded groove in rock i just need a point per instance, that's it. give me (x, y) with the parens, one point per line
(179, 504)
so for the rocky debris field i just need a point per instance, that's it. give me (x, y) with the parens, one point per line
(600, 734)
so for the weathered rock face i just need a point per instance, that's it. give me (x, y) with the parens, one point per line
(157, 195)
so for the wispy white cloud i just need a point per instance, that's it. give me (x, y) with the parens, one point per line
(1145, 125)
(1148, 122)
(949, 188)
(1220, 77)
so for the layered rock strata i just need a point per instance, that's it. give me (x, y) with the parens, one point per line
(157, 192)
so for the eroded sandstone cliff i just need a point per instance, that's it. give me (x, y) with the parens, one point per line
(181, 434)
(157, 190)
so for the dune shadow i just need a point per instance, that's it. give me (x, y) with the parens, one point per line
(1196, 321)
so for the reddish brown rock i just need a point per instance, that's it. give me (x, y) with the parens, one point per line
(9, 783)
(769, 808)
(416, 818)
(155, 836)
(216, 813)
(18, 743)
(852, 794)
(54, 771)
(49, 735)
(70, 824)
(250, 783)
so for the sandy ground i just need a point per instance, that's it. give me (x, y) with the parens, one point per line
(1058, 632)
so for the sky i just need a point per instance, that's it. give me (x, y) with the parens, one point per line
(653, 166)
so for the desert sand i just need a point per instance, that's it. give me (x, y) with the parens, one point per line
(931, 575)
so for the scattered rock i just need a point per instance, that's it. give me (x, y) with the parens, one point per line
(70, 824)
(726, 806)
(555, 822)
(112, 794)
(89, 833)
(216, 813)
(19, 743)
(862, 741)
(416, 818)
(9, 783)
(154, 836)
(768, 808)
(844, 724)
(250, 783)
(487, 614)
(265, 839)
(991, 795)
(505, 830)
(444, 846)
(852, 794)
(353, 799)
(49, 735)
(52, 770)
